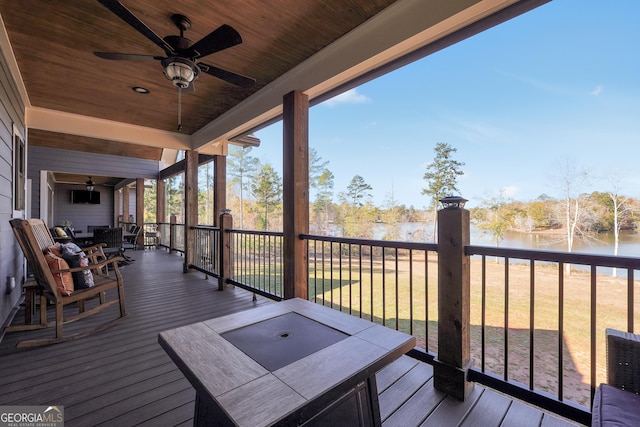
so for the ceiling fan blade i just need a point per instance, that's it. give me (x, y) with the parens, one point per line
(219, 39)
(127, 56)
(127, 16)
(228, 76)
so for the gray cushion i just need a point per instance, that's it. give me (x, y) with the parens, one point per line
(615, 407)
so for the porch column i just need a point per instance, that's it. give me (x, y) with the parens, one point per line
(160, 201)
(226, 249)
(125, 205)
(190, 206)
(116, 206)
(140, 210)
(453, 361)
(219, 188)
(295, 192)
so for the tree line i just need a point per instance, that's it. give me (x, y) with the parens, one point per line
(254, 195)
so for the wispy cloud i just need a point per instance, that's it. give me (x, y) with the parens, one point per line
(597, 91)
(349, 97)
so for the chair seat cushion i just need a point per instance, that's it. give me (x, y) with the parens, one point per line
(615, 407)
(64, 281)
(76, 258)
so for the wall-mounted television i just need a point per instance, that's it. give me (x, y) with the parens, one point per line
(85, 196)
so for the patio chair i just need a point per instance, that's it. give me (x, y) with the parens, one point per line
(616, 403)
(131, 242)
(34, 237)
(113, 240)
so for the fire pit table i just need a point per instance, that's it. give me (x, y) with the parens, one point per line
(288, 363)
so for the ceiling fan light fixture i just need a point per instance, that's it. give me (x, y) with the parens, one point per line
(90, 185)
(180, 71)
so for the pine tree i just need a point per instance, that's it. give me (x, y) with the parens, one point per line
(241, 167)
(267, 189)
(442, 177)
(358, 190)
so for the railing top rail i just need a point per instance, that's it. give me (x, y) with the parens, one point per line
(260, 232)
(204, 227)
(369, 242)
(551, 256)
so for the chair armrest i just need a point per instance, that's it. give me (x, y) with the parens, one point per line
(93, 247)
(99, 265)
(623, 360)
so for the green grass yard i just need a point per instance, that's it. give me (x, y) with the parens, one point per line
(407, 290)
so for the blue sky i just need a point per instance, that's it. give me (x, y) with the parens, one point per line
(561, 82)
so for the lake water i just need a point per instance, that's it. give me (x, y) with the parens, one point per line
(601, 244)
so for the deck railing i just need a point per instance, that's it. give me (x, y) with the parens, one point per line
(257, 262)
(171, 236)
(537, 317)
(391, 283)
(207, 250)
(540, 318)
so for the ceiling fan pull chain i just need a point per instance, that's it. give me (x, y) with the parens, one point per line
(179, 109)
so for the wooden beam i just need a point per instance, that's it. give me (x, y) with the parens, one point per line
(180, 166)
(190, 206)
(295, 192)
(219, 187)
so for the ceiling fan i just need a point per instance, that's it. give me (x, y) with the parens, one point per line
(182, 63)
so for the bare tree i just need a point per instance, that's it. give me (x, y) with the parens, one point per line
(571, 182)
(621, 210)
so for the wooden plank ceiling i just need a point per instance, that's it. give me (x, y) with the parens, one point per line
(54, 41)
(77, 100)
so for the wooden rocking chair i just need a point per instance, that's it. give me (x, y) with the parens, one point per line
(34, 237)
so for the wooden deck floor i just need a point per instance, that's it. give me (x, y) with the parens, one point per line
(121, 376)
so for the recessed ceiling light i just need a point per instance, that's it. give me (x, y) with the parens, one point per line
(139, 89)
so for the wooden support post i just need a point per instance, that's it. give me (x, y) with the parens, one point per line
(453, 361)
(160, 201)
(226, 249)
(295, 193)
(125, 205)
(116, 206)
(190, 207)
(140, 211)
(172, 232)
(219, 187)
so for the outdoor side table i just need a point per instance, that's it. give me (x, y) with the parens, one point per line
(288, 363)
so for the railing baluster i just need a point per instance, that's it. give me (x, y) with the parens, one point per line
(360, 276)
(384, 292)
(426, 300)
(371, 279)
(560, 330)
(350, 284)
(594, 301)
(397, 297)
(411, 292)
(630, 300)
(483, 315)
(340, 276)
(506, 318)
(532, 324)
(331, 273)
